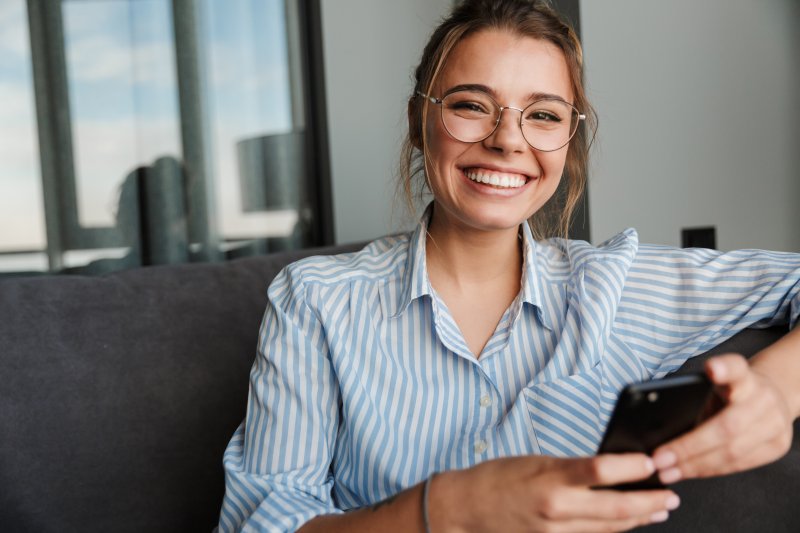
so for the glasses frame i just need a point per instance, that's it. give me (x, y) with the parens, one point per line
(440, 101)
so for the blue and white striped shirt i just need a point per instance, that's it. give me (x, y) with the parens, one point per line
(363, 384)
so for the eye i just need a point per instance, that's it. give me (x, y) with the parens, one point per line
(472, 105)
(468, 106)
(542, 116)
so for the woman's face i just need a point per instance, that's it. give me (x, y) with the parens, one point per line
(513, 69)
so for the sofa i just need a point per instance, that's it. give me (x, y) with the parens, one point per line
(118, 394)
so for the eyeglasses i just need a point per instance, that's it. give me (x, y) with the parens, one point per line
(471, 116)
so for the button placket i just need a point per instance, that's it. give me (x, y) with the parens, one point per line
(480, 446)
(485, 414)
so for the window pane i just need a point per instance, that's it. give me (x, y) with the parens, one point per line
(250, 98)
(121, 72)
(21, 207)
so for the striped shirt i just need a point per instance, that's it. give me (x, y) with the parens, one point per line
(363, 384)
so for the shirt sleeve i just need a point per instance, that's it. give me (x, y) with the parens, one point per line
(277, 465)
(678, 303)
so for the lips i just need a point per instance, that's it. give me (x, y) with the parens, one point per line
(496, 178)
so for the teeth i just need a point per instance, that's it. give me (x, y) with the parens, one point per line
(496, 179)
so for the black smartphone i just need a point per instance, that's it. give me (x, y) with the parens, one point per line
(651, 413)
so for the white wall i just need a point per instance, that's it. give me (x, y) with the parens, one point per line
(371, 48)
(699, 119)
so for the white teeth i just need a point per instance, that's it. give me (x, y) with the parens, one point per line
(497, 179)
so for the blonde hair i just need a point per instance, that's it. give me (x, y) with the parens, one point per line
(534, 19)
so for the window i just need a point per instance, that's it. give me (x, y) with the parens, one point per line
(22, 226)
(168, 131)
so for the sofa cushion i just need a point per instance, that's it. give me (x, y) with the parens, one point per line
(119, 393)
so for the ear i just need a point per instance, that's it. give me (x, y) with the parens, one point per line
(415, 123)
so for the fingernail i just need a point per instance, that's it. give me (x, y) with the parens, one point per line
(660, 516)
(665, 459)
(649, 465)
(673, 502)
(671, 475)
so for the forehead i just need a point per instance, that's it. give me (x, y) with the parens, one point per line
(513, 66)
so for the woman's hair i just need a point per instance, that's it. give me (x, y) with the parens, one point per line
(527, 18)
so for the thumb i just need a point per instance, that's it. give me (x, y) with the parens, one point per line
(730, 372)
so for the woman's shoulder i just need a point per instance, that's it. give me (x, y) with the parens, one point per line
(377, 260)
(621, 248)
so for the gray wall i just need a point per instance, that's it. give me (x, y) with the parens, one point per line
(371, 48)
(699, 119)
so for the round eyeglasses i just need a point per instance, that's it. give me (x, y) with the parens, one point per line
(471, 116)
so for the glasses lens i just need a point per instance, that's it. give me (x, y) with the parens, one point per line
(469, 116)
(549, 124)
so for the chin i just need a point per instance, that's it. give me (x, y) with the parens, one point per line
(495, 221)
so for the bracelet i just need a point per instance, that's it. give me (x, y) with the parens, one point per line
(425, 490)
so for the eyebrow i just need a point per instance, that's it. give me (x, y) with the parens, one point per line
(536, 95)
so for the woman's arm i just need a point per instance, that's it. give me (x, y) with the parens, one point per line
(530, 493)
(755, 426)
(780, 362)
(277, 464)
(683, 302)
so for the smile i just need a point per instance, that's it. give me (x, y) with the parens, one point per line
(502, 180)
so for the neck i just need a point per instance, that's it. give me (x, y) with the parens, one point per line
(466, 257)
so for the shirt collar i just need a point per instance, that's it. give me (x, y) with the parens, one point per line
(531, 278)
(415, 277)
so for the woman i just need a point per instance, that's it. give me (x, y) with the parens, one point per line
(470, 350)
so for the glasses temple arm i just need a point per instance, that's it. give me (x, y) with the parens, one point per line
(431, 98)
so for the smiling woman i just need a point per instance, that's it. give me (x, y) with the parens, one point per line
(512, 68)
(459, 377)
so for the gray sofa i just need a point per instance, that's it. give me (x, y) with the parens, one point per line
(118, 394)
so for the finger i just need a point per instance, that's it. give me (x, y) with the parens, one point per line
(732, 372)
(607, 469)
(740, 454)
(614, 504)
(592, 526)
(731, 432)
(713, 435)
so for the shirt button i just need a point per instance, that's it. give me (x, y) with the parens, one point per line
(486, 401)
(481, 446)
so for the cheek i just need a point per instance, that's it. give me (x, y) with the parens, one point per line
(553, 163)
(443, 150)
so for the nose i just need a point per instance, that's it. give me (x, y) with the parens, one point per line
(507, 135)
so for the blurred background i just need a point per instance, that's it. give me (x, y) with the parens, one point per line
(137, 132)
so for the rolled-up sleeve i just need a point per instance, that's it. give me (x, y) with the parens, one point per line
(679, 303)
(277, 465)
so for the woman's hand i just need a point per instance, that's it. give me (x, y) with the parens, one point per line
(535, 493)
(753, 428)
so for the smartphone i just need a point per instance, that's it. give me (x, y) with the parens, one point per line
(651, 413)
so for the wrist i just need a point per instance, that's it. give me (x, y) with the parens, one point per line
(790, 394)
(446, 510)
(781, 364)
